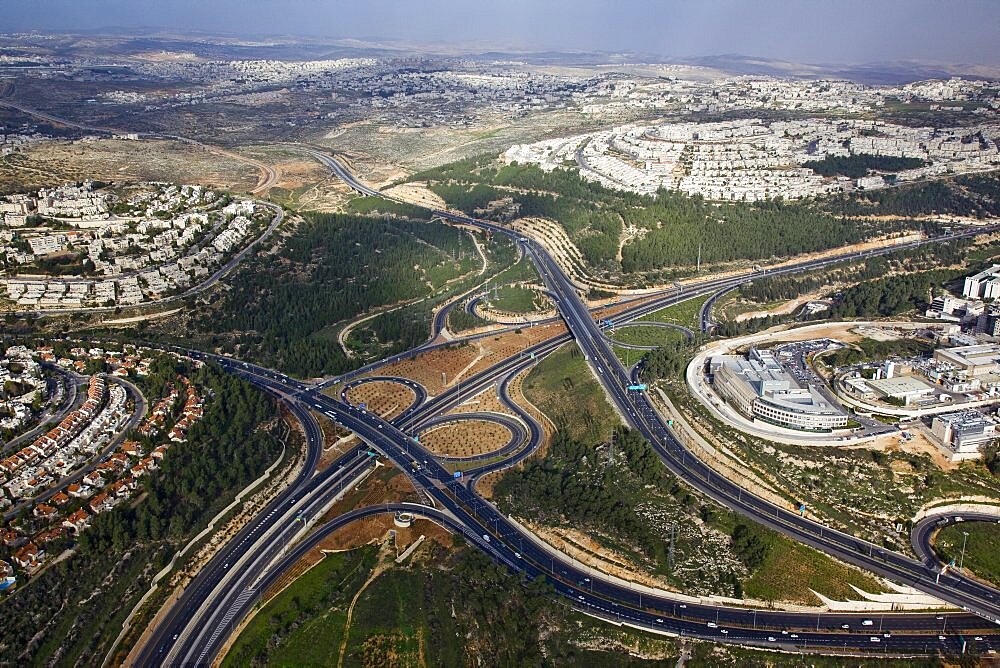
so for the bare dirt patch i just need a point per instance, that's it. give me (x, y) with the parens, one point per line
(59, 162)
(918, 444)
(417, 193)
(787, 307)
(463, 361)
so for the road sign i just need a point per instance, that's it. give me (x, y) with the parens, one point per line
(362, 405)
(457, 474)
(640, 387)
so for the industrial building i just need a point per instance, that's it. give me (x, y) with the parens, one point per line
(963, 434)
(759, 387)
(902, 389)
(977, 360)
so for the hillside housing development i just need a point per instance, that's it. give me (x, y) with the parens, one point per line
(755, 159)
(161, 239)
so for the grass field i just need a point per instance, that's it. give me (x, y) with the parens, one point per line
(982, 549)
(314, 606)
(388, 623)
(685, 313)
(563, 387)
(790, 570)
(515, 299)
(648, 336)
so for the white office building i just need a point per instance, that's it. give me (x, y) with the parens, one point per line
(760, 388)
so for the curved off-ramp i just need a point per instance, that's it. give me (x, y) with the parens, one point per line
(419, 391)
(688, 334)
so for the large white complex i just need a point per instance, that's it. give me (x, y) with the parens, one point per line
(749, 160)
(984, 285)
(759, 387)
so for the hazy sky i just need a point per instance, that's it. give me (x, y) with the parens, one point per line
(831, 31)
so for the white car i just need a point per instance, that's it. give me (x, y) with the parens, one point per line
(867, 622)
(875, 639)
(713, 625)
(771, 639)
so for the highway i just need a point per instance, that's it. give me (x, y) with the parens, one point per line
(510, 545)
(197, 592)
(218, 598)
(922, 533)
(641, 415)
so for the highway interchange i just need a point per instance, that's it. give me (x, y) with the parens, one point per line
(228, 587)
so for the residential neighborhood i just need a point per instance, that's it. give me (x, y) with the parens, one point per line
(96, 455)
(83, 246)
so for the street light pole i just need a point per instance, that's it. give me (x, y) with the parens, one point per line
(965, 538)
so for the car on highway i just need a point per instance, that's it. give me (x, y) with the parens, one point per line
(713, 625)
(875, 639)
(771, 639)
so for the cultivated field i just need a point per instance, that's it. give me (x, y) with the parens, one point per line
(466, 439)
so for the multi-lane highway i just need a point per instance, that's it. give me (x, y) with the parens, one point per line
(223, 593)
(640, 413)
